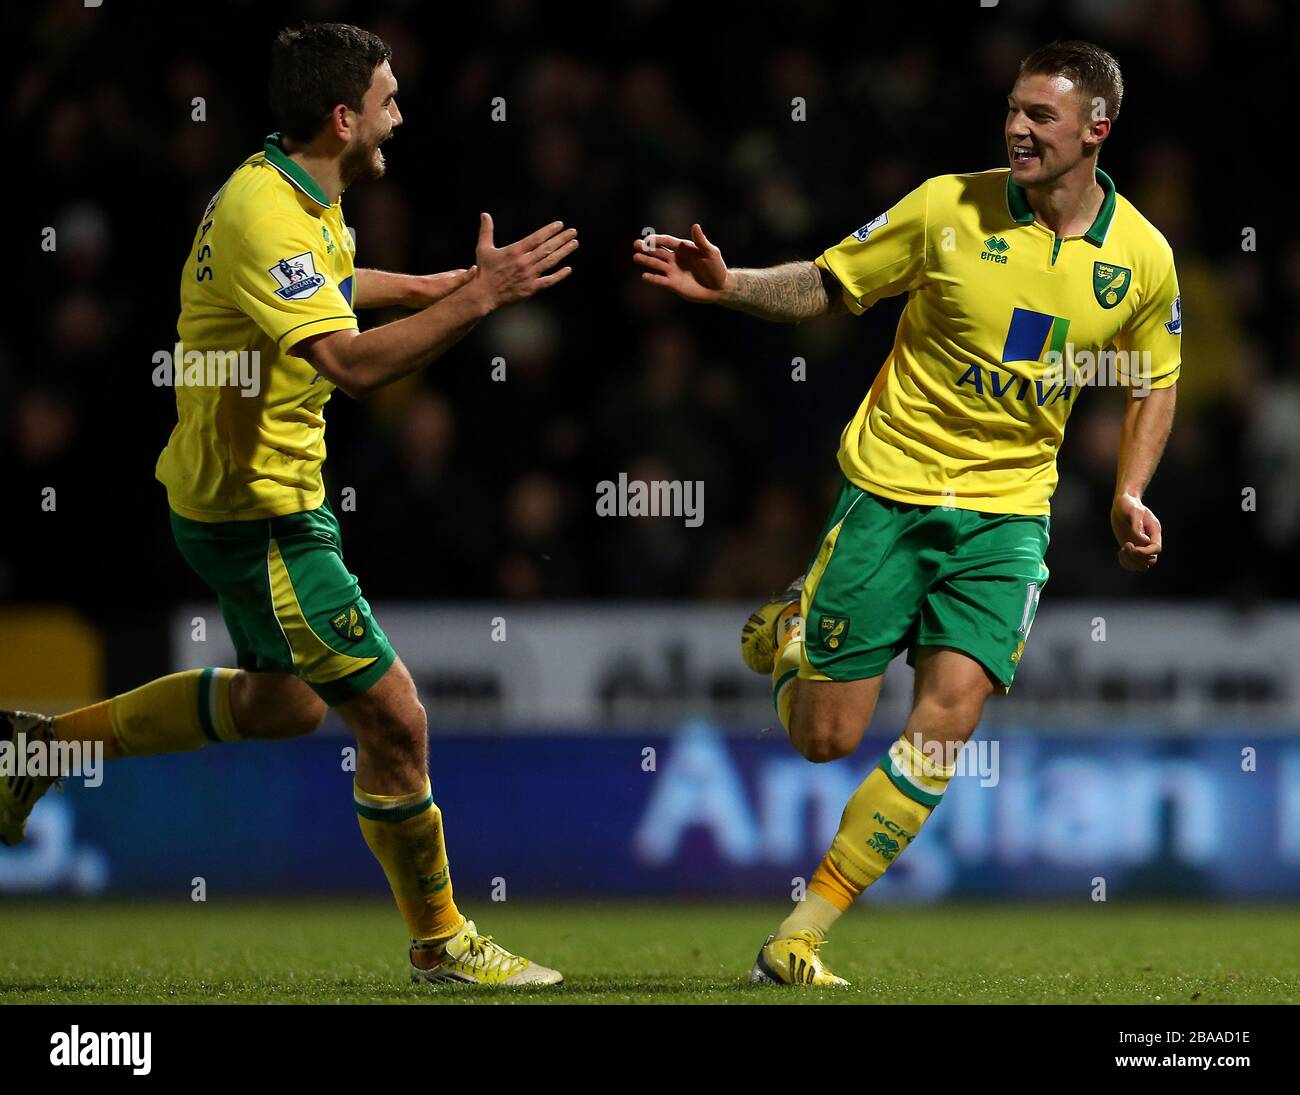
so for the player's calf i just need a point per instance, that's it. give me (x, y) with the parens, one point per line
(391, 728)
(274, 706)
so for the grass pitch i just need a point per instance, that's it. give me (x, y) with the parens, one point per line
(328, 951)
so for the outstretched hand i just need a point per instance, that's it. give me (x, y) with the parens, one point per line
(693, 268)
(518, 270)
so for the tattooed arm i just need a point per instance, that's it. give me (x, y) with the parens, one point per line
(786, 294)
(694, 270)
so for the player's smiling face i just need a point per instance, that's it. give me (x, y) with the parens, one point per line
(378, 118)
(1046, 129)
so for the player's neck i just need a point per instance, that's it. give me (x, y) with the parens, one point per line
(321, 166)
(1070, 205)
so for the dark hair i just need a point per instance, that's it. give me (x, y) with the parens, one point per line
(315, 67)
(1093, 71)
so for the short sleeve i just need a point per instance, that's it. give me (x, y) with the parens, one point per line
(1154, 333)
(281, 284)
(885, 256)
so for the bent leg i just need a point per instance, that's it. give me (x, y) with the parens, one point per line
(887, 811)
(177, 713)
(185, 711)
(885, 814)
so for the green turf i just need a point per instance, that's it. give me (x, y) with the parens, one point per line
(338, 951)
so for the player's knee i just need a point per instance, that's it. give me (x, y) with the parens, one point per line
(306, 717)
(954, 709)
(820, 748)
(402, 734)
(823, 738)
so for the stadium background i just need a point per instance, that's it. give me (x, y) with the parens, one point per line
(475, 500)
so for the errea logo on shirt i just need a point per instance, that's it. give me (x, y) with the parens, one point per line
(995, 250)
(296, 277)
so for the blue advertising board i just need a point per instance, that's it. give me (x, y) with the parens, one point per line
(695, 812)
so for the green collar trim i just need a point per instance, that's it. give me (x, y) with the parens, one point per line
(1021, 212)
(277, 158)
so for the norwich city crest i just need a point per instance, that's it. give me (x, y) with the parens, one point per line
(1110, 283)
(348, 623)
(834, 630)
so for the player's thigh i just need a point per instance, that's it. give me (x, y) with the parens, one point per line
(289, 601)
(985, 598)
(230, 557)
(828, 718)
(863, 590)
(337, 646)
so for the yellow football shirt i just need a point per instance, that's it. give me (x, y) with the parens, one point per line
(271, 263)
(1005, 324)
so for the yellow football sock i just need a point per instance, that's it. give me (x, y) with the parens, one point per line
(87, 724)
(174, 714)
(405, 834)
(789, 655)
(814, 913)
(831, 886)
(880, 821)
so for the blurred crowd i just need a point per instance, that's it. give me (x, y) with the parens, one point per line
(640, 114)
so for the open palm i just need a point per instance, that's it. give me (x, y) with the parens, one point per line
(693, 268)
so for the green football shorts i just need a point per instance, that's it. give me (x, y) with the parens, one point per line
(889, 577)
(289, 602)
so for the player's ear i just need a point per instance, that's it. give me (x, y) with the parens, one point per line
(340, 122)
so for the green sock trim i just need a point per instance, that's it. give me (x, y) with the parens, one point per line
(780, 684)
(205, 704)
(400, 814)
(905, 786)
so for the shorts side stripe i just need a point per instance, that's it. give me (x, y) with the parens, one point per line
(316, 660)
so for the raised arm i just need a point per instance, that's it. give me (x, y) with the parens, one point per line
(381, 289)
(358, 363)
(695, 271)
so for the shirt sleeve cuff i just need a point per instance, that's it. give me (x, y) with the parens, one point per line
(850, 301)
(315, 327)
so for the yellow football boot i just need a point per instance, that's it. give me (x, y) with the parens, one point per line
(758, 636)
(472, 959)
(792, 961)
(18, 794)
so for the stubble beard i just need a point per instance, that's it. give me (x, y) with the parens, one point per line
(362, 164)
